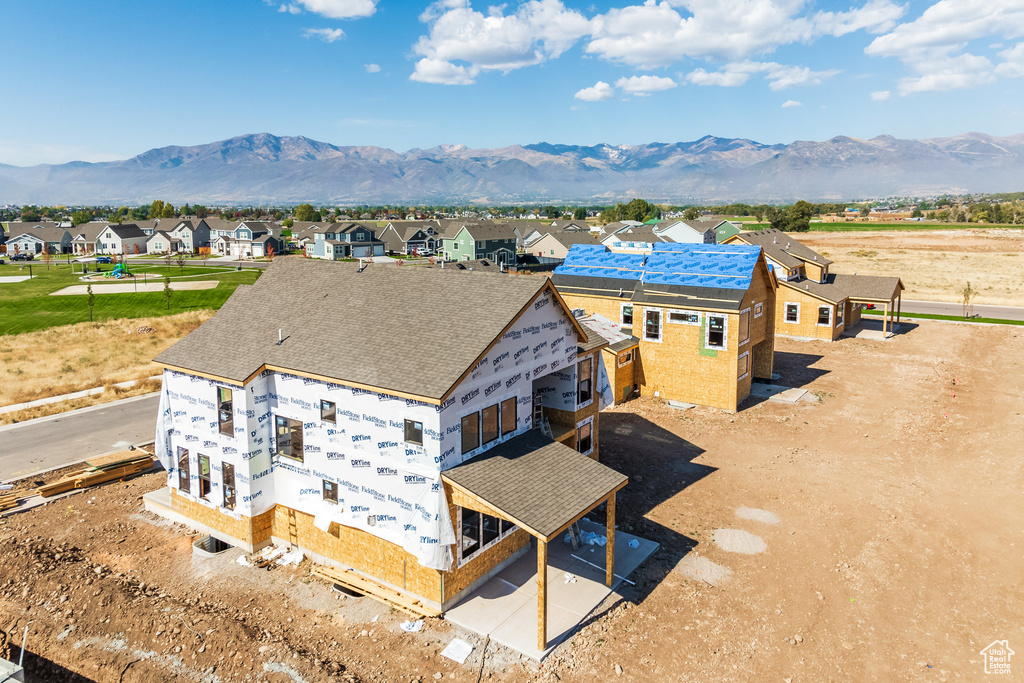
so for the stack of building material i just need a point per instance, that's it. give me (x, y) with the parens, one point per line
(9, 499)
(361, 584)
(100, 470)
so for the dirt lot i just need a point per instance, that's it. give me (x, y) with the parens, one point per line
(934, 264)
(874, 535)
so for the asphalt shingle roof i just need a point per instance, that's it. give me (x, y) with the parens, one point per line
(537, 482)
(369, 339)
(783, 248)
(838, 287)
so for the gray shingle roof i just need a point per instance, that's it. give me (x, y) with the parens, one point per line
(783, 248)
(537, 482)
(368, 338)
(45, 233)
(489, 231)
(569, 238)
(638, 233)
(838, 287)
(126, 230)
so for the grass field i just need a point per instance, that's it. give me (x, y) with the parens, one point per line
(877, 227)
(27, 306)
(61, 360)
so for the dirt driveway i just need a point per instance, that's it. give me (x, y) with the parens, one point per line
(875, 535)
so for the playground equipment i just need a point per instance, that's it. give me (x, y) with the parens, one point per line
(119, 271)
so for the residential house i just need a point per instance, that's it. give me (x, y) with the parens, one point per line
(689, 232)
(126, 238)
(193, 235)
(725, 230)
(493, 241)
(634, 238)
(813, 303)
(703, 316)
(423, 479)
(556, 245)
(562, 225)
(411, 237)
(84, 236)
(610, 228)
(163, 243)
(248, 239)
(334, 241)
(29, 238)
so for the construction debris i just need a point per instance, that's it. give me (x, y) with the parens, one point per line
(100, 470)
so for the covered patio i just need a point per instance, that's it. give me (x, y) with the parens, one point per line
(543, 487)
(886, 292)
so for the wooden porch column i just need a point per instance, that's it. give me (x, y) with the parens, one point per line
(899, 306)
(609, 556)
(542, 594)
(885, 320)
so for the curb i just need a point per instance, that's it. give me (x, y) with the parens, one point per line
(77, 411)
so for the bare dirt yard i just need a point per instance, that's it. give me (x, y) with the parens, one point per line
(934, 264)
(873, 533)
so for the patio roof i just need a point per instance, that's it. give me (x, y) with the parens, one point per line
(540, 485)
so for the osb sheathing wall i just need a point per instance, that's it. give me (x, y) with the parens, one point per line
(681, 367)
(814, 270)
(362, 551)
(624, 377)
(807, 327)
(253, 530)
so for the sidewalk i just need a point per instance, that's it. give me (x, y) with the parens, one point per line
(69, 397)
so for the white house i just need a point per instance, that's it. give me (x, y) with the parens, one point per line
(162, 242)
(689, 232)
(121, 239)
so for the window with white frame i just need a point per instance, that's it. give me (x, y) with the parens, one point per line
(758, 310)
(652, 324)
(478, 532)
(715, 335)
(824, 316)
(414, 432)
(289, 437)
(227, 471)
(792, 312)
(184, 481)
(330, 491)
(627, 315)
(684, 317)
(840, 313)
(327, 412)
(225, 417)
(585, 438)
(744, 326)
(744, 365)
(584, 381)
(625, 358)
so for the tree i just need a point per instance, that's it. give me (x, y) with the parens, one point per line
(798, 216)
(270, 252)
(691, 213)
(968, 299)
(306, 213)
(167, 292)
(579, 213)
(47, 257)
(90, 299)
(865, 211)
(287, 222)
(168, 258)
(79, 217)
(180, 261)
(30, 214)
(205, 253)
(776, 217)
(917, 213)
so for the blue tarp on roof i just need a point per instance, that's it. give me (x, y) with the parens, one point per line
(724, 266)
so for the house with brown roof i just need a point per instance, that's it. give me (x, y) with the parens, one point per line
(126, 238)
(556, 244)
(411, 237)
(484, 240)
(813, 303)
(421, 480)
(35, 238)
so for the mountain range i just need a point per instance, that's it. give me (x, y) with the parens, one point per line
(263, 168)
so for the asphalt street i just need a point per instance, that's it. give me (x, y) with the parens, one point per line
(73, 436)
(980, 310)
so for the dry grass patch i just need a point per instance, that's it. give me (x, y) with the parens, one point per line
(60, 360)
(112, 393)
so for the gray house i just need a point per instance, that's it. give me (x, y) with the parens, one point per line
(121, 239)
(334, 241)
(33, 240)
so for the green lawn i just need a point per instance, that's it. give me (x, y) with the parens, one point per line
(27, 306)
(956, 318)
(874, 227)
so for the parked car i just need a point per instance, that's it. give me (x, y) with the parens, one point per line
(22, 257)
(104, 259)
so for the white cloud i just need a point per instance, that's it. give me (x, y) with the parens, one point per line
(934, 45)
(439, 71)
(880, 95)
(598, 91)
(538, 30)
(645, 36)
(779, 76)
(1013, 66)
(290, 9)
(337, 9)
(372, 68)
(791, 103)
(328, 35)
(644, 85)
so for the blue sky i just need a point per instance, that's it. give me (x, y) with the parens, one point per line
(111, 79)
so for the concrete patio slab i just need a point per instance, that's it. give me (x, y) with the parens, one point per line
(122, 288)
(776, 392)
(10, 279)
(505, 607)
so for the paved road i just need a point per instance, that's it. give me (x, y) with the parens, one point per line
(980, 310)
(70, 437)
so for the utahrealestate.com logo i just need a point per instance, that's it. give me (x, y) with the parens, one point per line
(997, 657)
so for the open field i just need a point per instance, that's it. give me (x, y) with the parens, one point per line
(27, 306)
(902, 226)
(62, 360)
(871, 534)
(934, 266)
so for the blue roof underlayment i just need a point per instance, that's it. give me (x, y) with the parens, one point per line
(724, 266)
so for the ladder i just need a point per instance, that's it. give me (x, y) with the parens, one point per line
(539, 421)
(574, 535)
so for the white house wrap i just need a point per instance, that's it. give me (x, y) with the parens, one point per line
(385, 486)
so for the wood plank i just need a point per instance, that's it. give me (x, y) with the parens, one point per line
(362, 584)
(609, 560)
(542, 594)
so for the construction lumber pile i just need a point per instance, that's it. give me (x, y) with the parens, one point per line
(100, 470)
(361, 584)
(9, 499)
